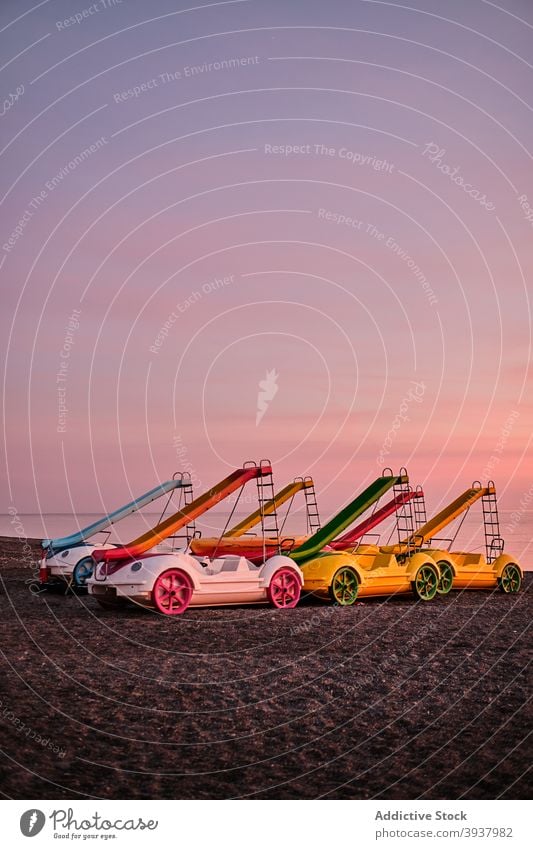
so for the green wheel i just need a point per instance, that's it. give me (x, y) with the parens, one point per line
(511, 579)
(344, 586)
(446, 577)
(426, 582)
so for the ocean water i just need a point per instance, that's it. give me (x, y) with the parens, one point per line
(516, 527)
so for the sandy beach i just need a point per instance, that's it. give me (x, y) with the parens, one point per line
(387, 699)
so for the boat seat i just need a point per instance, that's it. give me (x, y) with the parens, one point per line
(368, 548)
(230, 565)
(202, 567)
(227, 563)
(471, 559)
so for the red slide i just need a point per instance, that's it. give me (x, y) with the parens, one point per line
(351, 537)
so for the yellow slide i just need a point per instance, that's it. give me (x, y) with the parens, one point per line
(257, 548)
(436, 524)
(271, 506)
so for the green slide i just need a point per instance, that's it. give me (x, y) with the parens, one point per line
(314, 544)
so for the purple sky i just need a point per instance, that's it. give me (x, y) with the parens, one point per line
(339, 194)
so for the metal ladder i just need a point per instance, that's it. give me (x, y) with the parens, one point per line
(387, 471)
(188, 498)
(265, 494)
(494, 544)
(405, 520)
(419, 509)
(311, 507)
(186, 493)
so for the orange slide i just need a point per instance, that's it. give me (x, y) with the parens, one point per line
(178, 520)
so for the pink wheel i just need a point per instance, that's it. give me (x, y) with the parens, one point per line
(284, 589)
(172, 592)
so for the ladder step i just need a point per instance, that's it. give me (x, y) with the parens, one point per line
(491, 522)
(265, 498)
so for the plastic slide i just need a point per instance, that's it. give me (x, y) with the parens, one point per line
(270, 507)
(351, 537)
(436, 524)
(183, 517)
(315, 543)
(257, 549)
(60, 543)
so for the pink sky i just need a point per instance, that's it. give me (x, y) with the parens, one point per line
(392, 115)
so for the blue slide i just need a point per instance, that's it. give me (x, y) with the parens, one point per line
(60, 543)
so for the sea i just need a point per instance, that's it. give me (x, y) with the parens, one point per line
(516, 528)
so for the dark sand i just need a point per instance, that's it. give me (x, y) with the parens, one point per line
(388, 699)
